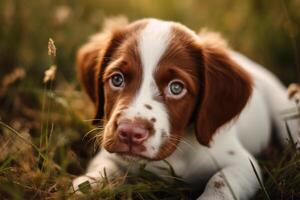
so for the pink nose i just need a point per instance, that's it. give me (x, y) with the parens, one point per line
(132, 133)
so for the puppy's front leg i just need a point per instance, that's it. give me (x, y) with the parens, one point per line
(236, 180)
(104, 164)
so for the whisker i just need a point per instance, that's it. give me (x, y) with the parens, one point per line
(94, 129)
(98, 137)
(181, 140)
(176, 146)
(94, 119)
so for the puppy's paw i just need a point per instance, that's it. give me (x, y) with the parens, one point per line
(85, 182)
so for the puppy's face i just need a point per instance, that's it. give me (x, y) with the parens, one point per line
(150, 89)
(153, 80)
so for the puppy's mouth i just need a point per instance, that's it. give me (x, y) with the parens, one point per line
(129, 152)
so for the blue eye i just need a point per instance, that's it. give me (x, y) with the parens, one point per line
(176, 88)
(117, 80)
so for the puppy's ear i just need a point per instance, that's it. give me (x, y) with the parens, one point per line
(92, 58)
(226, 89)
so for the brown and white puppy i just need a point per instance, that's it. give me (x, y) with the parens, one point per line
(160, 87)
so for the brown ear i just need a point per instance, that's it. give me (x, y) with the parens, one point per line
(92, 58)
(227, 87)
(87, 65)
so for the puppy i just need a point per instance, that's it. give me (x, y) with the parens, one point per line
(164, 92)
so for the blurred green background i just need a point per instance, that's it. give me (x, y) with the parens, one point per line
(266, 31)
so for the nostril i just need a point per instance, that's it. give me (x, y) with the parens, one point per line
(140, 137)
(123, 135)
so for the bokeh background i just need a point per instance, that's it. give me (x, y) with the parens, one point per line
(53, 115)
(266, 31)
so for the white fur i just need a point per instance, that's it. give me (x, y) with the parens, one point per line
(227, 161)
(274, 94)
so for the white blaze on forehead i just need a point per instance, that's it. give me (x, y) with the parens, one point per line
(153, 41)
(152, 44)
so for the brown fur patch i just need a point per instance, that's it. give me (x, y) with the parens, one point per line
(94, 56)
(227, 87)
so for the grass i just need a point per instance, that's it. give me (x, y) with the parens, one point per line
(281, 174)
(143, 185)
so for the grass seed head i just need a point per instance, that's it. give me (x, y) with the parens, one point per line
(51, 48)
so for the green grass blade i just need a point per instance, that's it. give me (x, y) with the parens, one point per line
(291, 140)
(260, 181)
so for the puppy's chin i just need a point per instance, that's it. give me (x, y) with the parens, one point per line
(125, 155)
(132, 158)
(140, 158)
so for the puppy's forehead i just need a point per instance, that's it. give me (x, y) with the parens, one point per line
(153, 42)
(159, 39)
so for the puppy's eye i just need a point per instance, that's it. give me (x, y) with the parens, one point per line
(176, 89)
(117, 80)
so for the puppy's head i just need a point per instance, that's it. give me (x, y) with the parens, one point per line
(151, 79)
